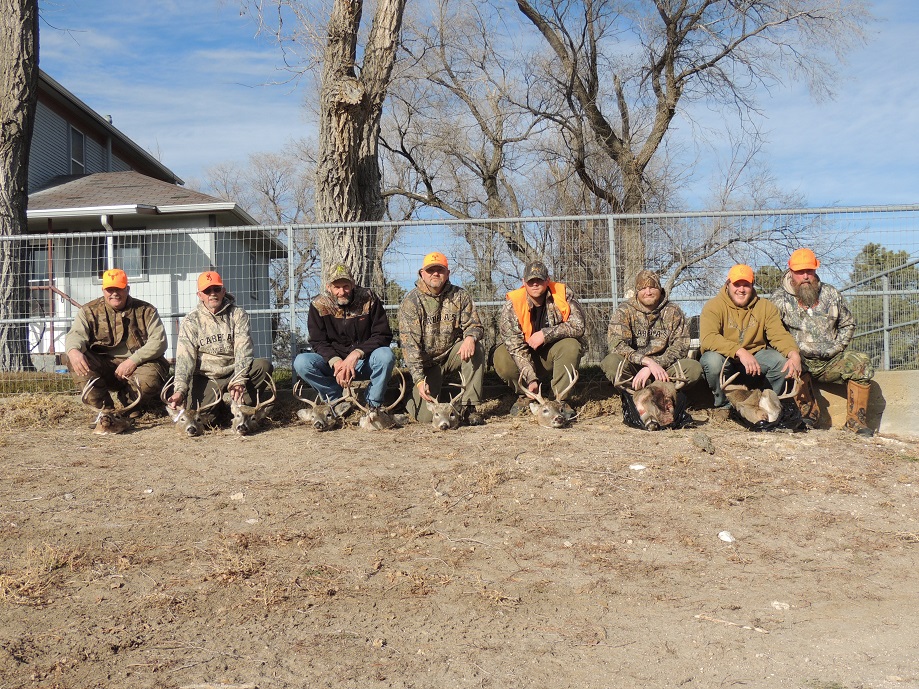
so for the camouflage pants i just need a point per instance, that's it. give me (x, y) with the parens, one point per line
(843, 367)
(547, 360)
(204, 390)
(473, 371)
(150, 378)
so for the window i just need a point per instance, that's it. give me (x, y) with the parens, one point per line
(127, 253)
(38, 264)
(77, 152)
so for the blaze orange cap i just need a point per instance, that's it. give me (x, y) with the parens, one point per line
(209, 279)
(740, 272)
(114, 278)
(803, 259)
(435, 258)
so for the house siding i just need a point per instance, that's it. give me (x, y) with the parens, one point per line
(95, 156)
(48, 155)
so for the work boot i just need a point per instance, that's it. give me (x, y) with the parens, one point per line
(806, 400)
(857, 409)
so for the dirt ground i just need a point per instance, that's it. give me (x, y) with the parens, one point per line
(502, 556)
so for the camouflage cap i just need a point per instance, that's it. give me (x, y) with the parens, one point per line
(338, 271)
(535, 270)
(647, 278)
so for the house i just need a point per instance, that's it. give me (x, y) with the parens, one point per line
(98, 200)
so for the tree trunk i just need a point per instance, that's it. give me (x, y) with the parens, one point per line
(348, 172)
(18, 97)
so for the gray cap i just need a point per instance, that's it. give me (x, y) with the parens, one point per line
(338, 271)
(535, 270)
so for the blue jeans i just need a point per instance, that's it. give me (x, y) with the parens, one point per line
(377, 368)
(770, 362)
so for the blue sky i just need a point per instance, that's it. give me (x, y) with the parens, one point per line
(187, 81)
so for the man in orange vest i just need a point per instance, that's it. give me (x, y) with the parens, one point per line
(541, 325)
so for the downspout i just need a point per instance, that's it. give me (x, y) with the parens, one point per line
(106, 221)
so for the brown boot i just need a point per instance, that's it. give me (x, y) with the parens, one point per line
(856, 409)
(807, 401)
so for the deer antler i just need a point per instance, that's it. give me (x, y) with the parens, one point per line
(134, 383)
(86, 388)
(535, 396)
(274, 393)
(721, 381)
(349, 394)
(298, 393)
(680, 379)
(795, 387)
(573, 375)
(462, 386)
(170, 384)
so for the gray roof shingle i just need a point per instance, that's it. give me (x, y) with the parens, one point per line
(113, 189)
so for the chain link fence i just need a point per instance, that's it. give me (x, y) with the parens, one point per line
(870, 253)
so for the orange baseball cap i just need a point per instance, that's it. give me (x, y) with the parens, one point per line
(740, 272)
(114, 278)
(803, 259)
(209, 279)
(435, 258)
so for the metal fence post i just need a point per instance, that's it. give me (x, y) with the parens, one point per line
(885, 285)
(613, 267)
(291, 299)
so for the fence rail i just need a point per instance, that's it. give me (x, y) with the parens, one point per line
(871, 253)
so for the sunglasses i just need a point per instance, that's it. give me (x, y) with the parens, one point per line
(213, 290)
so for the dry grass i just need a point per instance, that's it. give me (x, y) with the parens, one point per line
(30, 581)
(39, 410)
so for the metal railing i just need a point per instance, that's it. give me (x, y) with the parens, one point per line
(870, 253)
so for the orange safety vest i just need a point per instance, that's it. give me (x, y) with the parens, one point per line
(518, 299)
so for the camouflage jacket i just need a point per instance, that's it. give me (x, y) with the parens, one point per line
(822, 331)
(218, 345)
(135, 332)
(430, 324)
(557, 329)
(661, 333)
(335, 331)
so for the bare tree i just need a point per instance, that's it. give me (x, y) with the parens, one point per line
(351, 97)
(621, 72)
(18, 98)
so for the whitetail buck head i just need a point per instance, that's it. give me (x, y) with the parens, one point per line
(379, 418)
(110, 421)
(187, 420)
(246, 418)
(656, 401)
(754, 405)
(447, 416)
(551, 413)
(322, 416)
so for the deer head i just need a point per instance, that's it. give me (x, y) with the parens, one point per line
(655, 402)
(321, 416)
(754, 405)
(246, 418)
(380, 417)
(551, 413)
(187, 419)
(446, 416)
(110, 421)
